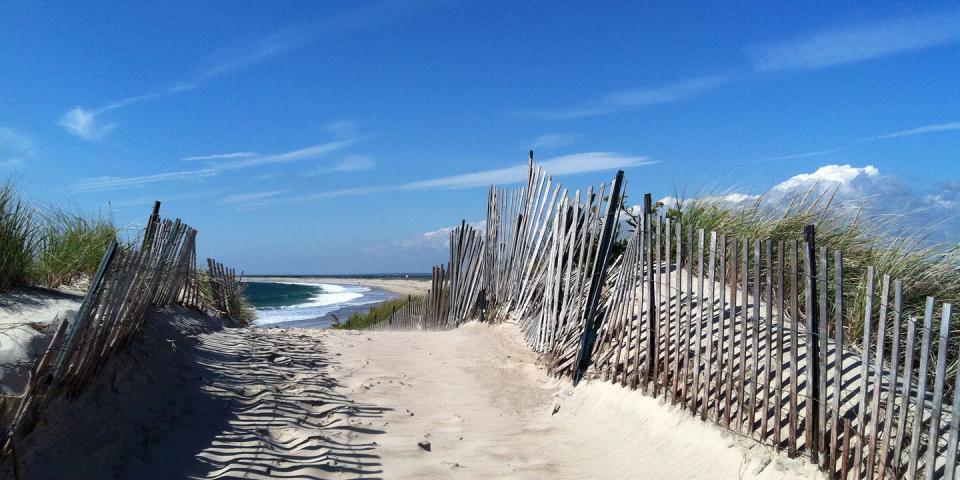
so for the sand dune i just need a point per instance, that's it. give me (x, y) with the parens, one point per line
(193, 400)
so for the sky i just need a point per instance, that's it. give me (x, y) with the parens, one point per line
(348, 137)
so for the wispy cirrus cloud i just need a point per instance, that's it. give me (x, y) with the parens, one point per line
(565, 165)
(86, 122)
(251, 199)
(796, 156)
(840, 45)
(857, 43)
(939, 127)
(219, 156)
(933, 128)
(549, 141)
(312, 151)
(631, 99)
(15, 147)
(115, 183)
(212, 169)
(353, 163)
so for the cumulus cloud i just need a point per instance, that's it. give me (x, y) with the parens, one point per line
(849, 180)
(438, 239)
(866, 189)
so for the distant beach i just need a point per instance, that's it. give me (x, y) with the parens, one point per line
(314, 302)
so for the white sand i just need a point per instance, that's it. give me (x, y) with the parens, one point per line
(28, 319)
(400, 286)
(193, 400)
(487, 410)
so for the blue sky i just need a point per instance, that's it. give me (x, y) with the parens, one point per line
(343, 137)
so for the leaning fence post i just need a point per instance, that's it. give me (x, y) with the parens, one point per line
(813, 325)
(596, 283)
(151, 224)
(648, 275)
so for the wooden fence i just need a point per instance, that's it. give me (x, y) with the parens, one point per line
(128, 282)
(225, 286)
(746, 333)
(455, 291)
(427, 312)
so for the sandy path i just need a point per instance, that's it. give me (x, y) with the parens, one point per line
(487, 410)
(192, 400)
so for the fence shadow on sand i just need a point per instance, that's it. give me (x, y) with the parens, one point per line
(268, 408)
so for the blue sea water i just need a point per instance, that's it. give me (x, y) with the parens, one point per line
(308, 304)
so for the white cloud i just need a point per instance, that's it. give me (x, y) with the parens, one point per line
(865, 190)
(299, 154)
(731, 198)
(353, 163)
(83, 123)
(846, 178)
(116, 183)
(857, 43)
(439, 238)
(550, 141)
(228, 60)
(565, 165)
(252, 199)
(639, 97)
(939, 127)
(220, 156)
(342, 128)
(795, 156)
(346, 192)
(113, 182)
(15, 147)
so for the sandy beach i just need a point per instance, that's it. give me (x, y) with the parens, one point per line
(399, 286)
(311, 403)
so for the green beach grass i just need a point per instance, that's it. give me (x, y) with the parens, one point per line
(50, 248)
(376, 314)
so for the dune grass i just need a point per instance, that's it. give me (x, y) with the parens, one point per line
(885, 242)
(19, 235)
(375, 315)
(71, 247)
(228, 297)
(48, 249)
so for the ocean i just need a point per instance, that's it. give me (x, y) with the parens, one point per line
(308, 304)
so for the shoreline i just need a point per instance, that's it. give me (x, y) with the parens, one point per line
(398, 286)
(391, 288)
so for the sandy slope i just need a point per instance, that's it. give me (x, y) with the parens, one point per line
(193, 400)
(28, 319)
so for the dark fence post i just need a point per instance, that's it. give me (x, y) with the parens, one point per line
(151, 225)
(809, 233)
(648, 276)
(590, 326)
